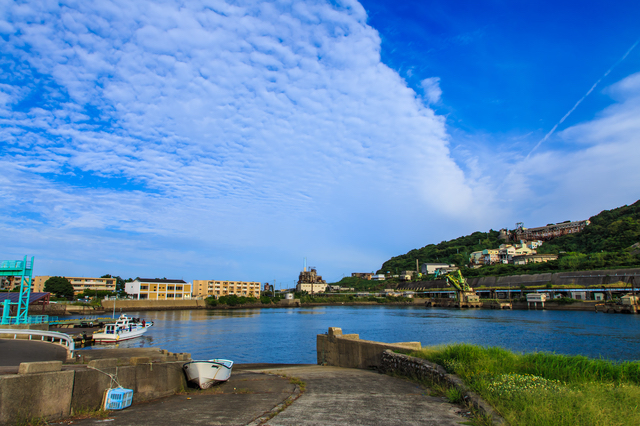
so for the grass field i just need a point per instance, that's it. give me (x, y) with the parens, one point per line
(546, 389)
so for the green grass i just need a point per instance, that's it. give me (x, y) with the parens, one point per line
(546, 389)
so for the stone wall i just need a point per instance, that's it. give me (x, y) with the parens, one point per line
(417, 368)
(347, 350)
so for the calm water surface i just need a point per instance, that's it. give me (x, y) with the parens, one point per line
(288, 335)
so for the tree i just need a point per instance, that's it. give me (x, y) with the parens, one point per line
(119, 283)
(60, 287)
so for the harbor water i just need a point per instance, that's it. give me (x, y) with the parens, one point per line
(288, 335)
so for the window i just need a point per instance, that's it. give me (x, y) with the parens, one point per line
(169, 287)
(144, 287)
(178, 288)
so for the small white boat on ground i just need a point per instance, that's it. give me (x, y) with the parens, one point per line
(125, 328)
(206, 373)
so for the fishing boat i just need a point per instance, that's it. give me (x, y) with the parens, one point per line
(124, 328)
(206, 373)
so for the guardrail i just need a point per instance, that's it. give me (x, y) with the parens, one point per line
(31, 319)
(45, 336)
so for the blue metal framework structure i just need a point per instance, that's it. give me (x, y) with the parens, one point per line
(24, 270)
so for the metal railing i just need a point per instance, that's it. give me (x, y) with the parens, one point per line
(31, 319)
(44, 336)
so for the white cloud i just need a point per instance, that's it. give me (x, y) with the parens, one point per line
(214, 127)
(598, 172)
(432, 91)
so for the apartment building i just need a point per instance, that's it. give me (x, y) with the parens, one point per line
(80, 284)
(158, 289)
(206, 288)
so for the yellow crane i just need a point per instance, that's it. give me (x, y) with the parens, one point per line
(467, 298)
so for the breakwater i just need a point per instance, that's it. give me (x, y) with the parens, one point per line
(49, 391)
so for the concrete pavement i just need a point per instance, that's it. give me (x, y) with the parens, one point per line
(267, 395)
(13, 352)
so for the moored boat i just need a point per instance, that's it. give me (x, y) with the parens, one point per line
(124, 328)
(206, 373)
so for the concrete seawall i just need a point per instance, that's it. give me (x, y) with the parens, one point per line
(348, 351)
(50, 390)
(152, 305)
(578, 278)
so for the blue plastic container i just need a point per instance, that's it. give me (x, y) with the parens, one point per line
(117, 399)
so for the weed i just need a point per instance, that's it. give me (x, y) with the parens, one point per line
(300, 383)
(453, 395)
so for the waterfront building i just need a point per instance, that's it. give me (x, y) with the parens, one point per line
(218, 288)
(310, 281)
(80, 284)
(158, 289)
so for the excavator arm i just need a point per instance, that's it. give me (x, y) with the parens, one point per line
(457, 281)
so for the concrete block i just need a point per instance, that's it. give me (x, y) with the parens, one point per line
(135, 360)
(335, 331)
(350, 336)
(103, 363)
(39, 367)
(24, 397)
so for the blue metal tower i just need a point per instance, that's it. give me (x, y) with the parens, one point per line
(24, 270)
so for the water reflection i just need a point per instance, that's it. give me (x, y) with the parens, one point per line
(289, 334)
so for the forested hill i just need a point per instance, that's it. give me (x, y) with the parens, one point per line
(454, 251)
(611, 231)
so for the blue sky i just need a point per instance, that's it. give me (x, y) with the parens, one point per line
(229, 140)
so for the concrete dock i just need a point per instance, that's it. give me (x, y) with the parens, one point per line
(262, 394)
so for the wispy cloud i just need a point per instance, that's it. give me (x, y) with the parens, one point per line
(553, 129)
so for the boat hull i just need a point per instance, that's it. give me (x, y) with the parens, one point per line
(123, 329)
(118, 337)
(206, 373)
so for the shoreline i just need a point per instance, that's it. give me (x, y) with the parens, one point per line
(147, 306)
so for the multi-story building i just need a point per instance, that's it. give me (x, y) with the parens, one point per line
(158, 289)
(491, 256)
(311, 282)
(551, 231)
(80, 284)
(206, 288)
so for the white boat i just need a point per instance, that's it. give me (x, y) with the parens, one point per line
(206, 373)
(125, 328)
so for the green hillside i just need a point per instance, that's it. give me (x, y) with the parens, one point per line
(610, 231)
(605, 243)
(455, 252)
